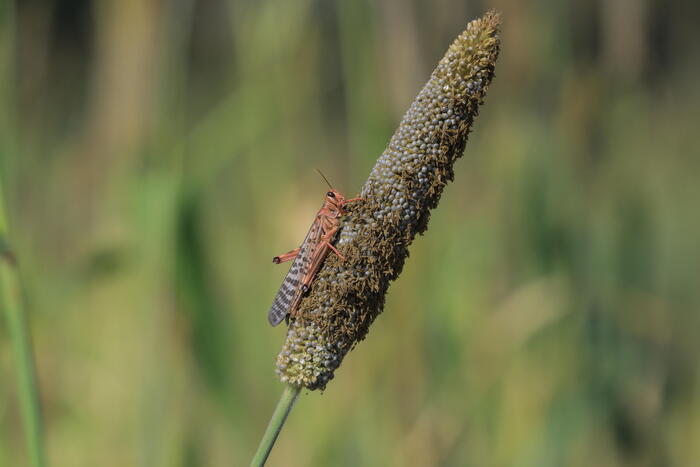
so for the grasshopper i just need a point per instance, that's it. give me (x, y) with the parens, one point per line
(309, 257)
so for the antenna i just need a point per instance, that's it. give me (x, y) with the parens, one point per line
(324, 177)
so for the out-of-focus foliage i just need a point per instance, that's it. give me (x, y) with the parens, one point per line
(156, 156)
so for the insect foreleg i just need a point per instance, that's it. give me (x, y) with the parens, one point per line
(351, 200)
(286, 257)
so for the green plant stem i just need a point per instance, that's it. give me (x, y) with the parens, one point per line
(279, 416)
(11, 304)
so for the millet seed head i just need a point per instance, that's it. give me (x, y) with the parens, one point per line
(404, 185)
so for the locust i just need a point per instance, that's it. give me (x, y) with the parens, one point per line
(309, 257)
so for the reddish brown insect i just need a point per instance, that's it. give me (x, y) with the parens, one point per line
(308, 257)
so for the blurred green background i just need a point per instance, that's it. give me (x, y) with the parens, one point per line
(154, 156)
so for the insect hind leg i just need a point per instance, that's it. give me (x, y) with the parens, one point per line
(286, 257)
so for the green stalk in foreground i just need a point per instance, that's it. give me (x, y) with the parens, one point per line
(279, 416)
(11, 304)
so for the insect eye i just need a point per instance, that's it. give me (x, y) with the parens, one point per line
(330, 194)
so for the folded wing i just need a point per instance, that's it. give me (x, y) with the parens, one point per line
(290, 291)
